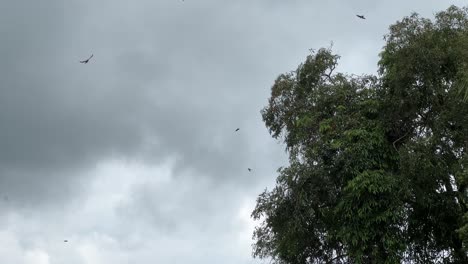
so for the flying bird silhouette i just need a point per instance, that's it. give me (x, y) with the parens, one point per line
(361, 16)
(86, 61)
(65, 241)
(237, 129)
(249, 169)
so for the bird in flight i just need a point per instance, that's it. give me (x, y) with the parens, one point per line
(237, 129)
(361, 16)
(65, 241)
(86, 61)
(249, 169)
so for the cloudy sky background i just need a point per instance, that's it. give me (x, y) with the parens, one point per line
(133, 157)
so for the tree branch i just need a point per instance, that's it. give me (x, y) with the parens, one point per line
(399, 140)
(328, 75)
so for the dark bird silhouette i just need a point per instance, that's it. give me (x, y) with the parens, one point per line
(65, 241)
(249, 169)
(361, 16)
(86, 61)
(237, 129)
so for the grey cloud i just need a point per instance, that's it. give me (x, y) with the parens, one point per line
(177, 206)
(146, 79)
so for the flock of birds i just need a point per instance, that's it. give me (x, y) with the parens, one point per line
(92, 55)
(249, 169)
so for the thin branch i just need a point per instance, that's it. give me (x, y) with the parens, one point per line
(394, 142)
(329, 74)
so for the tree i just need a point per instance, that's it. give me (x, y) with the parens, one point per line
(378, 164)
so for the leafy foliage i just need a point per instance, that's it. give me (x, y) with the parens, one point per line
(378, 164)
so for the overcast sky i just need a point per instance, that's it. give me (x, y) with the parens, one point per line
(133, 157)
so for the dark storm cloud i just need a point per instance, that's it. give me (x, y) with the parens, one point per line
(183, 86)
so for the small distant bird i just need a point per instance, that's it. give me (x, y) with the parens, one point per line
(65, 241)
(86, 61)
(237, 129)
(361, 16)
(249, 169)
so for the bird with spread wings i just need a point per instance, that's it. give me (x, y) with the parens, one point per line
(87, 60)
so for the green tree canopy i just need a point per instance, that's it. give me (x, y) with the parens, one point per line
(378, 164)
